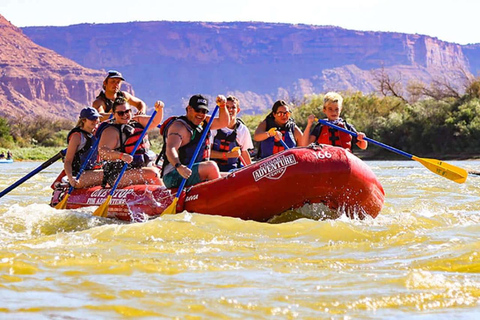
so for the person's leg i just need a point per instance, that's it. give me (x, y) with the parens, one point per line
(90, 178)
(148, 175)
(151, 175)
(208, 170)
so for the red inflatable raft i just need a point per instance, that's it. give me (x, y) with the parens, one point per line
(287, 180)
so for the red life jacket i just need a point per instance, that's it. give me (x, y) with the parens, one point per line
(334, 137)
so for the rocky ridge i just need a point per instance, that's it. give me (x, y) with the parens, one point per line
(38, 81)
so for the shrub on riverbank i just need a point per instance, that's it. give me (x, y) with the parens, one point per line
(441, 128)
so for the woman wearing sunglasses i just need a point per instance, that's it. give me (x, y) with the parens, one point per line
(286, 130)
(118, 140)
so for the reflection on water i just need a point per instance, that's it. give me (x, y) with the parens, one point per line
(419, 257)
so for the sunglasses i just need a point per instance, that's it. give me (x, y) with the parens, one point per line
(283, 113)
(122, 113)
(201, 111)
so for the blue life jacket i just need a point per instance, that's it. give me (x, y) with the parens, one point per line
(225, 143)
(269, 146)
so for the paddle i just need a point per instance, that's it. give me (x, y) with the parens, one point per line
(172, 208)
(34, 172)
(102, 210)
(272, 133)
(439, 167)
(241, 158)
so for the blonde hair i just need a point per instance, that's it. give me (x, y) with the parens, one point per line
(332, 97)
(80, 122)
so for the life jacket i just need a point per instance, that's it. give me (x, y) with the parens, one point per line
(108, 102)
(80, 157)
(224, 143)
(269, 146)
(334, 137)
(129, 135)
(186, 152)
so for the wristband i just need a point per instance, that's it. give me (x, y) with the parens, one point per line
(177, 165)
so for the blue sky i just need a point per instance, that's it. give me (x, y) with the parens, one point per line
(453, 21)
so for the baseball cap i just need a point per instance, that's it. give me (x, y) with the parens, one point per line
(114, 74)
(198, 102)
(89, 113)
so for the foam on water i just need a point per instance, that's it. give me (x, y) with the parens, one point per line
(418, 258)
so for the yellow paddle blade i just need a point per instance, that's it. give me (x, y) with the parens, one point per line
(63, 204)
(444, 169)
(172, 208)
(102, 211)
(272, 131)
(235, 149)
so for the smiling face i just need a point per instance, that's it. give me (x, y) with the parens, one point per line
(332, 110)
(282, 115)
(196, 116)
(122, 114)
(90, 125)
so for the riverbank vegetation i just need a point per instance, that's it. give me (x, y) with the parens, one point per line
(445, 126)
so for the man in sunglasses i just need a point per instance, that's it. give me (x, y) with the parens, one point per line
(182, 135)
(118, 140)
(111, 90)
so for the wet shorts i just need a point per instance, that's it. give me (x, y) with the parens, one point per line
(173, 179)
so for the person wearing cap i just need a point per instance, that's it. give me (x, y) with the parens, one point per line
(111, 90)
(117, 141)
(80, 140)
(181, 136)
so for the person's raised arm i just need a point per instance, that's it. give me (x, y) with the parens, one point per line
(223, 116)
(143, 119)
(137, 103)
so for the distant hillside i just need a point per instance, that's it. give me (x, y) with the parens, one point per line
(35, 80)
(259, 62)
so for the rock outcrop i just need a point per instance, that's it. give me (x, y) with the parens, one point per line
(260, 61)
(38, 81)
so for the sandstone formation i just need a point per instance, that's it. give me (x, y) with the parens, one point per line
(258, 61)
(38, 81)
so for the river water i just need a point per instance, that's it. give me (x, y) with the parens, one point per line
(420, 258)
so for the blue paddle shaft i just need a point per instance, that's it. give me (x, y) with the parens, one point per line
(197, 150)
(400, 152)
(284, 144)
(144, 132)
(34, 172)
(90, 154)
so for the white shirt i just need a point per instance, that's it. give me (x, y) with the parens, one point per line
(244, 140)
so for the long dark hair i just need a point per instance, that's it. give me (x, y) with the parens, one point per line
(118, 102)
(276, 105)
